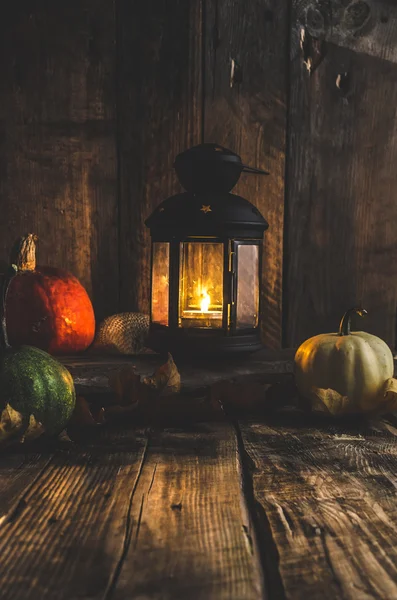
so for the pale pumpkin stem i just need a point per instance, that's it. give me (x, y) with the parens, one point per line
(344, 327)
(8, 276)
(23, 253)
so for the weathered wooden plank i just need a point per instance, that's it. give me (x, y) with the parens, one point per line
(134, 516)
(366, 26)
(246, 58)
(159, 115)
(327, 496)
(91, 373)
(189, 537)
(19, 470)
(57, 543)
(57, 138)
(341, 246)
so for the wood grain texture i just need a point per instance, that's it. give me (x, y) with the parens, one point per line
(159, 115)
(327, 498)
(91, 374)
(341, 244)
(19, 470)
(65, 539)
(133, 515)
(189, 538)
(366, 26)
(57, 138)
(245, 110)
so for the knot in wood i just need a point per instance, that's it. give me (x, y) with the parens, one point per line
(342, 18)
(357, 15)
(316, 21)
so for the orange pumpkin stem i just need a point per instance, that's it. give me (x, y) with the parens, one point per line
(345, 324)
(23, 253)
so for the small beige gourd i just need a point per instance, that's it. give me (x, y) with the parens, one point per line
(345, 372)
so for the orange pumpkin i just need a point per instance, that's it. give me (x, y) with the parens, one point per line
(47, 307)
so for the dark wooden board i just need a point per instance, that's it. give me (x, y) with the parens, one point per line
(326, 498)
(66, 536)
(19, 470)
(368, 27)
(341, 243)
(91, 373)
(57, 138)
(189, 537)
(247, 113)
(159, 101)
(157, 514)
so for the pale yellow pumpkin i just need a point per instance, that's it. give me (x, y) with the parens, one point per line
(345, 371)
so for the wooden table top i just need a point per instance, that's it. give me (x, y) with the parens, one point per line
(285, 507)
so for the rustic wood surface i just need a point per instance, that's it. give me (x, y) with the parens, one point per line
(188, 537)
(292, 507)
(326, 504)
(245, 61)
(366, 26)
(138, 514)
(18, 472)
(90, 134)
(159, 96)
(56, 544)
(341, 244)
(58, 139)
(96, 99)
(91, 373)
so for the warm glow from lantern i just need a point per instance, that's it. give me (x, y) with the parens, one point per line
(205, 302)
(201, 285)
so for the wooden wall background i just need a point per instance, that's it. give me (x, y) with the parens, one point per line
(98, 96)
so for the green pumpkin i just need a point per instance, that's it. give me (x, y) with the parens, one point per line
(33, 383)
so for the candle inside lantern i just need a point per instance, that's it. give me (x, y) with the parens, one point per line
(201, 285)
(201, 312)
(205, 302)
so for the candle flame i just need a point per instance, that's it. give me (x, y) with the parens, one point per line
(205, 302)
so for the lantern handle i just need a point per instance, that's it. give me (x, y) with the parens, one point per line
(247, 169)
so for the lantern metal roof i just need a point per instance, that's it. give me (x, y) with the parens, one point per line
(206, 214)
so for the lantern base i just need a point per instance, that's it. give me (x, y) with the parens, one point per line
(202, 343)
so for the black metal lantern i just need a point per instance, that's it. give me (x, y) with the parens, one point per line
(206, 260)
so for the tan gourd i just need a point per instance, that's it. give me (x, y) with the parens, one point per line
(345, 371)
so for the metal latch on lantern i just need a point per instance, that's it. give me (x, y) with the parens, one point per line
(232, 287)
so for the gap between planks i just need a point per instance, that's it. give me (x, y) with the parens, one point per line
(157, 515)
(329, 495)
(191, 535)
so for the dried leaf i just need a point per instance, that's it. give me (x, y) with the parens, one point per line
(389, 403)
(245, 396)
(166, 380)
(141, 398)
(64, 437)
(128, 387)
(12, 423)
(35, 430)
(15, 427)
(328, 400)
(82, 415)
(134, 396)
(99, 416)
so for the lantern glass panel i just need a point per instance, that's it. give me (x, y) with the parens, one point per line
(247, 313)
(201, 285)
(160, 282)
